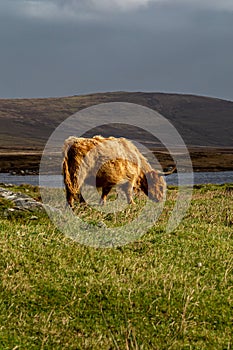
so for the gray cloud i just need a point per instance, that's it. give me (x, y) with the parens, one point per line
(94, 9)
(87, 47)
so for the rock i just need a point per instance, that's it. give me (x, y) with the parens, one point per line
(34, 217)
(20, 200)
(24, 202)
(101, 224)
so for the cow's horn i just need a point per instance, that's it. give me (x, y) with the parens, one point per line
(162, 173)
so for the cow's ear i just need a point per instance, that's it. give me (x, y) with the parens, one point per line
(151, 175)
(154, 173)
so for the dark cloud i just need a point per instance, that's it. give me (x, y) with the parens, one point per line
(172, 48)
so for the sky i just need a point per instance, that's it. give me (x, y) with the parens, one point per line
(74, 47)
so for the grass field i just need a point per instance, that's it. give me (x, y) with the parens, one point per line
(164, 291)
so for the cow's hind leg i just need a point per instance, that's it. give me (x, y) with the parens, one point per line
(80, 198)
(69, 198)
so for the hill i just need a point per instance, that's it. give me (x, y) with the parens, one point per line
(204, 123)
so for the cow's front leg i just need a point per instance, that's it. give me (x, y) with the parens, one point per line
(128, 189)
(105, 192)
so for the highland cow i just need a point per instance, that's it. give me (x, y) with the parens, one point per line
(105, 163)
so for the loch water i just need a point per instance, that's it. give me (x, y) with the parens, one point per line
(56, 180)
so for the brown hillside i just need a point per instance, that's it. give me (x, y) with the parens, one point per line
(26, 124)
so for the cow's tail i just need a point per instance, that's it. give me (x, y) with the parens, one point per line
(65, 166)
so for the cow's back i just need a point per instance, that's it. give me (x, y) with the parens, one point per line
(112, 161)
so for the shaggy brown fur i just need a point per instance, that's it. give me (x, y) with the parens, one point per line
(106, 162)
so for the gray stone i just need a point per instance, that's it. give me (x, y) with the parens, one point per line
(34, 217)
(20, 200)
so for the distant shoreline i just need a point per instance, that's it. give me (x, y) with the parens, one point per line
(204, 159)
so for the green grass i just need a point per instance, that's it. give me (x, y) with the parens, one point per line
(164, 291)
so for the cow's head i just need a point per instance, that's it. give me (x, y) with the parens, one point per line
(156, 186)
